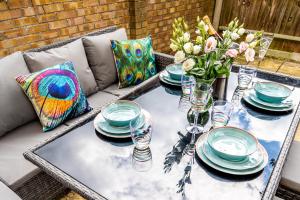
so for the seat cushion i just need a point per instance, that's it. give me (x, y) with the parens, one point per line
(135, 61)
(7, 193)
(74, 52)
(123, 92)
(55, 94)
(100, 56)
(16, 109)
(291, 173)
(96, 101)
(14, 168)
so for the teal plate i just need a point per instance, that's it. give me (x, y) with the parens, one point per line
(272, 92)
(232, 143)
(254, 170)
(248, 99)
(250, 162)
(106, 129)
(165, 77)
(175, 71)
(121, 112)
(253, 97)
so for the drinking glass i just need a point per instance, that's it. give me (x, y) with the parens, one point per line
(184, 103)
(201, 93)
(245, 77)
(187, 83)
(221, 113)
(141, 136)
(142, 159)
(264, 45)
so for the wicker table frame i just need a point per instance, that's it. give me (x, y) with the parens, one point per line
(163, 60)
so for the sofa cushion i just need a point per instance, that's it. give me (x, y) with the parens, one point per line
(55, 94)
(291, 173)
(74, 52)
(14, 168)
(7, 193)
(96, 101)
(16, 109)
(123, 92)
(135, 60)
(100, 56)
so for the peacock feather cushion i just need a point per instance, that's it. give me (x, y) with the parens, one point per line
(135, 61)
(55, 94)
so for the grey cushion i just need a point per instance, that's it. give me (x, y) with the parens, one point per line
(101, 58)
(291, 173)
(74, 52)
(16, 109)
(123, 92)
(14, 168)
(7, 193)
(96, 101)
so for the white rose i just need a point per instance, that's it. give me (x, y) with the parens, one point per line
(249, 37)
(188, 47)
(186, 37)
(173, 47)
(234, 36)
(210, 45)
(197, 31)
(197, 49)
(249, 55)
(241, 31)
(179, 57)
(188, 64)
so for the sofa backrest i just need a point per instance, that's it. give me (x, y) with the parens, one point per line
(62, 43)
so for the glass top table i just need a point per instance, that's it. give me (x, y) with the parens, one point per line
(101, 168)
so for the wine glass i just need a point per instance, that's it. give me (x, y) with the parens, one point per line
(200, 95)
(264, 45)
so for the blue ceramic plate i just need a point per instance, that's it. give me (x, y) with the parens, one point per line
(175, 71)
(250, 162)
(272, 92)
(232, 143)
(121, 112)
(248, 99)
(254, 170)
(165, 77)
(253, 97)
(106, 129)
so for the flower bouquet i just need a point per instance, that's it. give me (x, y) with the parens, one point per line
(210, 55)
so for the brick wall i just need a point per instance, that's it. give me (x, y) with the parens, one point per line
(26, 24)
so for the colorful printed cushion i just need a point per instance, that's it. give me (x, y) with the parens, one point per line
(55, 94)
(135, 60)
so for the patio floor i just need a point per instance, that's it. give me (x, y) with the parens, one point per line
(269, 64)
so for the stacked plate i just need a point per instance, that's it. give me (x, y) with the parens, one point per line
(172, 74)
(114, 119)
(269, 96)
(232, 150)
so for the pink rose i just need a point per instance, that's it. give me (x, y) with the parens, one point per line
(231, 53)
(243, 47)
(210, 45)
(249, 55)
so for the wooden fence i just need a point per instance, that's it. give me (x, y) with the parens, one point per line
(276, 16)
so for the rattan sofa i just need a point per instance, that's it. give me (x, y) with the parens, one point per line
(27, 180)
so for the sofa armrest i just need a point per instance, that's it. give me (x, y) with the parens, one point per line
(162, 60)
